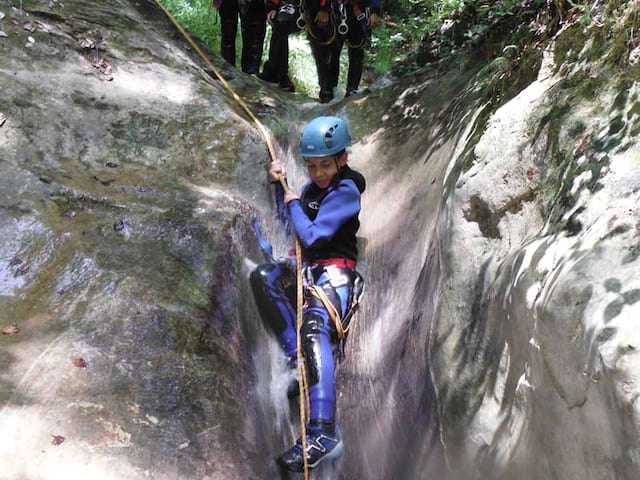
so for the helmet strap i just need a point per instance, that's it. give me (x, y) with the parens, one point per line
(336, 158)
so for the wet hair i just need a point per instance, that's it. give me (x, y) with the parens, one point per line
(337, 155)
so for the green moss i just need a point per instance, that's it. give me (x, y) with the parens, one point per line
(186, 331)
(190, 292)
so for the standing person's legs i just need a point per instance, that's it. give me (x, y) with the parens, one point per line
(228, 28)
(322, 54)
(254, 28)
(357, 40)
(268, 73)
(322, 40)
(276, 70)
(285, 23)
(356, 65)
(334, 65)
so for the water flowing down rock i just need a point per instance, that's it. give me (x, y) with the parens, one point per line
(125, 203)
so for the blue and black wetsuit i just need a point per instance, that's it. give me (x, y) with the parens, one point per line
(326, 222)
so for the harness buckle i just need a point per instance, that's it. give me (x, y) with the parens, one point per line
(343, 28)
(301, 21)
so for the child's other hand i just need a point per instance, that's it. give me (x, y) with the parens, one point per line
(276, 170)
(374, 19)
(290, 196)
(322, 18)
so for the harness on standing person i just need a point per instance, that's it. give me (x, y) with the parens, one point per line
(301, 22)
(362, 17)
(304, 22)
(343, 28)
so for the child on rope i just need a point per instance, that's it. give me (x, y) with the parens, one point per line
(325, 219)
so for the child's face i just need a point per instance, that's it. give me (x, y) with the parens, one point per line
(321, 170)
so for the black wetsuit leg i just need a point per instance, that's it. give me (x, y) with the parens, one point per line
(276, 69)
(274, 290)
(325, 51)
(229, 13)
(323, 56)
(269, 73)
(358, 38)
(254, 28)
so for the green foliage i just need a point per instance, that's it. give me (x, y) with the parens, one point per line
(199, 17)
(408, 21)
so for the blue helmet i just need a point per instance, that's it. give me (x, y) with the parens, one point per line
(324, 136)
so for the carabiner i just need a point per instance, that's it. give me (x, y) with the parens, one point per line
(301, 22)
(343, 28)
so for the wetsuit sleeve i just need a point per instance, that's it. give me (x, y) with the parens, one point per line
(283, 213)
(281, 208)
(342, 203)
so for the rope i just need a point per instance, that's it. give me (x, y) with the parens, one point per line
(319, 293)
(263, 131)
(302, 381)
(302, 378)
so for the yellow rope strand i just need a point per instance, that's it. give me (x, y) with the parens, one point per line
(267, 138)
(302, 379)
(318, 292)
(263, 131)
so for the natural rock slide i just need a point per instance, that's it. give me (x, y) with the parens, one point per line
(500, 229)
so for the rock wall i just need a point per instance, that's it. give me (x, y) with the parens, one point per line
(502, 245)
(124, 217)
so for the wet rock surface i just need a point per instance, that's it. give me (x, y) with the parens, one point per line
(501, 245)
(120, 257)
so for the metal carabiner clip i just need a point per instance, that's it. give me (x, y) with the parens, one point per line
(343, 28)
(301, 22)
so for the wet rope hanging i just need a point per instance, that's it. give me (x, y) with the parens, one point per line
(318, 292)
(302, 378)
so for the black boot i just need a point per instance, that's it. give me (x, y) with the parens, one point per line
(326, 95)
(268, 73)
(323, 443)
(286, 84)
